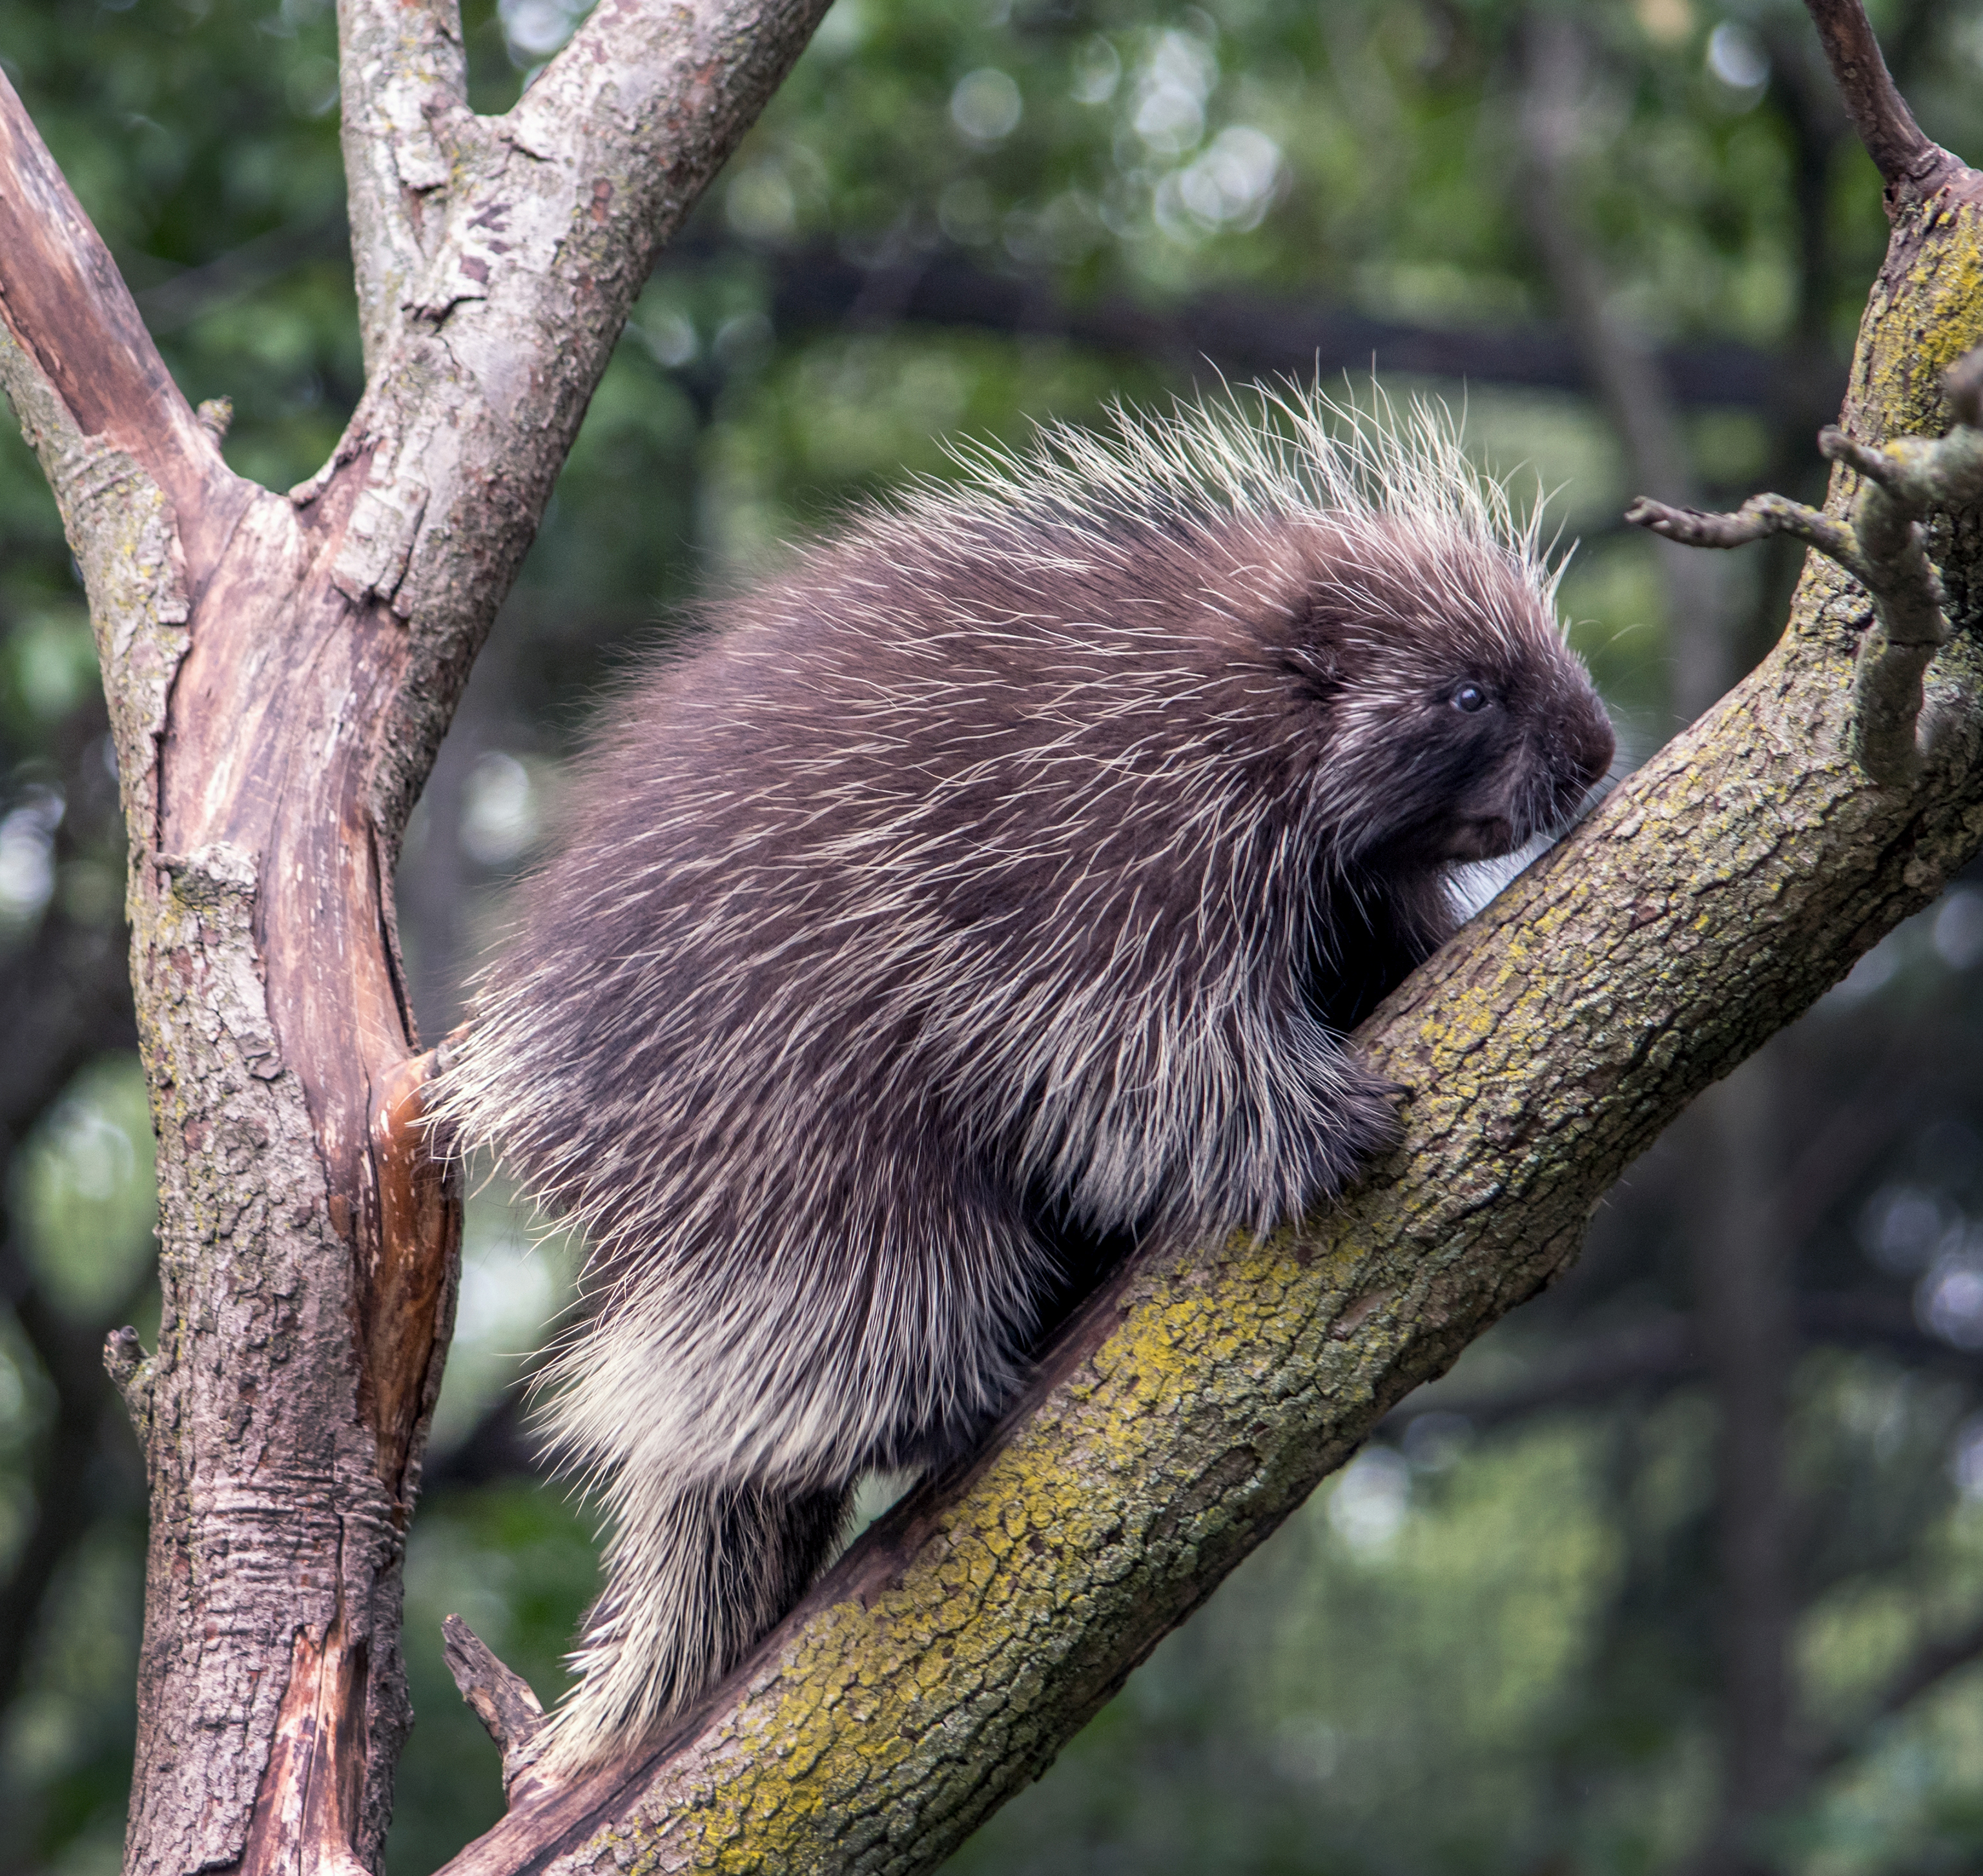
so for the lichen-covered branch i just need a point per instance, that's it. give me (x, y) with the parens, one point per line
(1760, 516)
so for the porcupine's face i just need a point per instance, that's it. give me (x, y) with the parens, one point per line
(1460, 724)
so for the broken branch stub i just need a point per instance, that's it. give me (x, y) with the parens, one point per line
(1883, 545)
(502, 1699)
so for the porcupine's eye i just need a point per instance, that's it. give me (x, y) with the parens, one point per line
(1469, 698)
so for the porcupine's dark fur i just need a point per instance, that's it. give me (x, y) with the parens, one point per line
(1004, 873)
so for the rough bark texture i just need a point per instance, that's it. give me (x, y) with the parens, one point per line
(1196, 1403)
(280, 670)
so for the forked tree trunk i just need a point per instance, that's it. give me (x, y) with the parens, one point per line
(281, 669)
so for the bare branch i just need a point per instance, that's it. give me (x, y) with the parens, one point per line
(1555, 80)
(1656, 1355)
(1744, 1313)
(81, 344)
(1885, 548)
(403, 77)
(676, 87)
(1760, 516)
(176, 302)
(147, 501)
(503, 255)
(1904, 156)
(66, 994)
(125, 1363)
(1244, 334)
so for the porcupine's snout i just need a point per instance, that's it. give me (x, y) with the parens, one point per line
(1539, 788)
(1592, 743)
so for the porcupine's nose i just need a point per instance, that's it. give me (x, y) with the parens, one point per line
(1592, 746)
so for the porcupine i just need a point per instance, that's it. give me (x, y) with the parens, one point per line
(1001, 877)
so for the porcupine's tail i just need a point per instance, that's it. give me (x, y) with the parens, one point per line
(695, 1574)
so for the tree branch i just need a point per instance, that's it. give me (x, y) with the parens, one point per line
(403, 77)
(1884, 547)
(80, 340)
(502, 1699)
(1912, 166)
(1659, 1354)
(65, 997)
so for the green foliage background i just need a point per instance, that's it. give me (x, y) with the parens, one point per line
(1490, 1644)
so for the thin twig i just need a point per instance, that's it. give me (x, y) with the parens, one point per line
(1884, 547)
(1760, 516)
